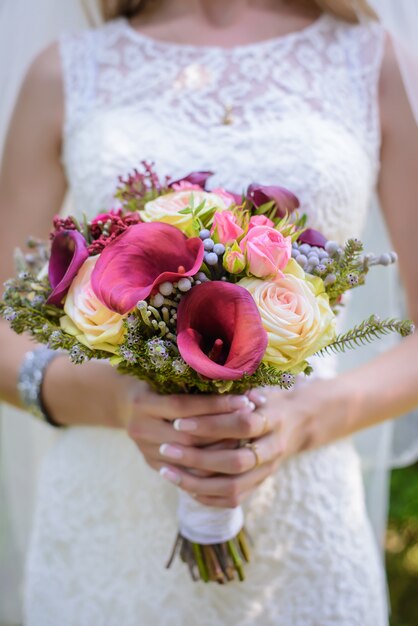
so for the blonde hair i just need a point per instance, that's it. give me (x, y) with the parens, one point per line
(344, 9)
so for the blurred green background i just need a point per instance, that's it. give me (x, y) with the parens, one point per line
(402, 547)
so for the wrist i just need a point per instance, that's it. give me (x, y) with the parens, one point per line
(31, 379)
(326, 407)
(91, 394)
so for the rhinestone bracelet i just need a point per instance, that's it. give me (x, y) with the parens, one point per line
(31, 377)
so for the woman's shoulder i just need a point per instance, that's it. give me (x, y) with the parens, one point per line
(42, 86)
(45, 69)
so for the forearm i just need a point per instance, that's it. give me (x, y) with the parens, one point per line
(92, 394)
(88, 394)
(13, 349)
(382, 389)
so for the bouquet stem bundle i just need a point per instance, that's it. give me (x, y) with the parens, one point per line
(220, 562)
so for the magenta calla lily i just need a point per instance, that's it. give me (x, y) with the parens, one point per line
(69, 250)
(144, 256)
(285, 200)
(194, 178)
(219, 331)
(313, 238)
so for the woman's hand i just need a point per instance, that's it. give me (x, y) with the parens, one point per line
(95, 394)
(153, 418)
(284, 424)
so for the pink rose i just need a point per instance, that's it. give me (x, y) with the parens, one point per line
(268, 252)
(260, 220)
(225, 228)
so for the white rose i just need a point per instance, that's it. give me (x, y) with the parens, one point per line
(296, 315)
(87, 318)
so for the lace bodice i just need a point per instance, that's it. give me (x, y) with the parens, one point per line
(303, 108)
(304, 114)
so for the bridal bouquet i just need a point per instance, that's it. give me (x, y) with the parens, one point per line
(194, 291)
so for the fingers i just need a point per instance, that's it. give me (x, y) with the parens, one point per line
(242, 424)
(149, 430)
(220, 461)
(227, 491)
(224, 461)
(259, 396)
(172, 407)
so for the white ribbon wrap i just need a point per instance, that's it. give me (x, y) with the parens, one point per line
(205, 524)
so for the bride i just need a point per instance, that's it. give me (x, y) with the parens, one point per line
(292, 92)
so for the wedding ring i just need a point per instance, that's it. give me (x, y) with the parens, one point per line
(254, 449)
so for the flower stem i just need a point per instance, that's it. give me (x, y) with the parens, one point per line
(237, 559)
(197, 550)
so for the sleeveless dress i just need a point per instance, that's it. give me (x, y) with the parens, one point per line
(299, 110)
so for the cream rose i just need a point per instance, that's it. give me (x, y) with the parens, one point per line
(168, 208)
(87, 318)
(296, 315)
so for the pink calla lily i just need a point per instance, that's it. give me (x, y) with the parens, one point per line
(144, 256)
(68, 252)
(194, 178)
(285, 200)
(313, 238)
(219, 331)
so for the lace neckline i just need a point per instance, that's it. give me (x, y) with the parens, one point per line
(264, 44)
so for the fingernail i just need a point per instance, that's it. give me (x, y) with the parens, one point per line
(171, 476)
(258, 397)
(239, 402)
(171, 452)
(185, 425)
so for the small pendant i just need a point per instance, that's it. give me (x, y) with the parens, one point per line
(193, 77)
(228, 117)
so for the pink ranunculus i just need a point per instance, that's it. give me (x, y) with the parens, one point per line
(268, 252)
(184, 185)
(198, 181)
(260, 220)
(68, 253)
(225, 228)
(284, 200)
(219, 331)
(131, 267)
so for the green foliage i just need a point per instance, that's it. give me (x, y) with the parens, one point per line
(202, 215)
(24, 306)
(402, 547)
(366, 332)
(348, 270)
(404, 496)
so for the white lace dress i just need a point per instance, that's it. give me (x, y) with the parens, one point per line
(304, 114)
